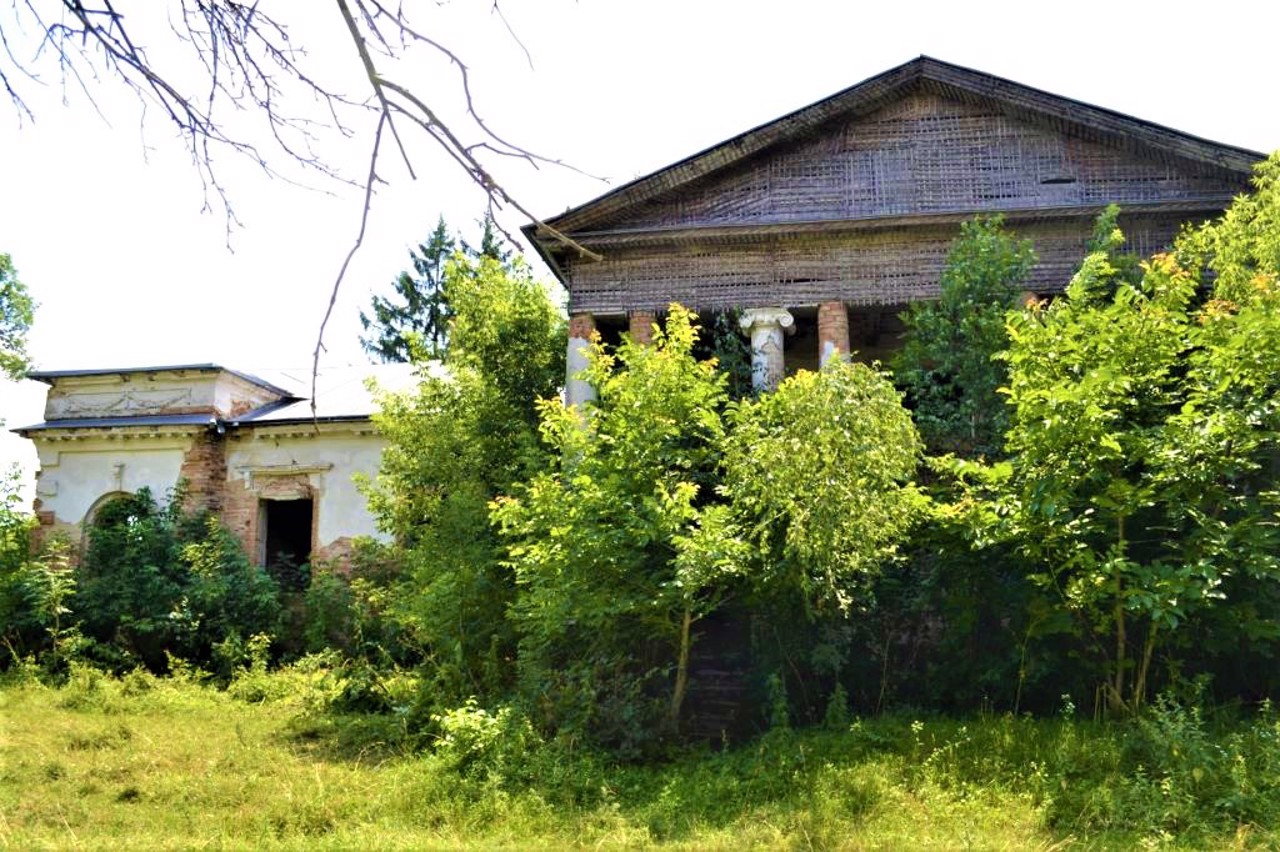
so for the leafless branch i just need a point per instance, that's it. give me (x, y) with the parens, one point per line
(245, 63)
(497, 10)
(355, 247)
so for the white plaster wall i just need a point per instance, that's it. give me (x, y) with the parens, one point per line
(75, 474)
(231, 390)
(129, 394)
(340, 508)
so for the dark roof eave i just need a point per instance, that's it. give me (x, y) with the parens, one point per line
(295, 421)
(193, 420)
(728, 233)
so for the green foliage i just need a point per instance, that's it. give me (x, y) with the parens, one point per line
(49, 585)
(819, 472)
(453, 445)
(507, 330)
(126, 762)
(731, 349)
(604, 602)
(1143, 429)
(15, 545)
(1243, 247)
(16, 312)
(660, 508)
(946, 365)
(154, 582)
(478, 744)
(420, 312)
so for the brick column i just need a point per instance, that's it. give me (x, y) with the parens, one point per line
(582, 329)
(640, 326)
(833, 332)
(765, 326)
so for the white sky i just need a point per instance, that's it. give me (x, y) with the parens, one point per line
(109, 236)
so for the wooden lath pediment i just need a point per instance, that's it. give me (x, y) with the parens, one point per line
(925, 153)
(924, 137)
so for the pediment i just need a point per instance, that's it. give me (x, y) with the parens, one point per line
(924, 153)
(923, 138)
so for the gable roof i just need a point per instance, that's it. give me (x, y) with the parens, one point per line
(952, 81)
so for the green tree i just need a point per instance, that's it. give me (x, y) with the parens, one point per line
(419, 307)
(465, 435)
(667, 500)
(946, 365)
(820, 475)
(16, 311)
(1142, 444)
(606, 601)
(1242, 249)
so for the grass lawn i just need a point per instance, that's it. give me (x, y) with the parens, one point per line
(142, 763)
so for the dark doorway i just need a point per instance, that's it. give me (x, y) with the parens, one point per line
(288, 541)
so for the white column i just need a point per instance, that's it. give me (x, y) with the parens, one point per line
(765, 326)
(582, 327)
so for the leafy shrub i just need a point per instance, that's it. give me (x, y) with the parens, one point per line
(155, 582)
(477, 743)
(946, 366)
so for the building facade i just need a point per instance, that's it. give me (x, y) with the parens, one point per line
(821, 226)
(280, 477)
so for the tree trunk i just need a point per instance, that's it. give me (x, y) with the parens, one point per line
(1122, 651)
(682, 669)
(1140, 682)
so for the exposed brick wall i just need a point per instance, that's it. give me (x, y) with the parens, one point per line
(240, 515)
(641, 326)
(204, 467)
(241, 502)
(833, 328)
(337, 553)
(46, 521)
(582, 326)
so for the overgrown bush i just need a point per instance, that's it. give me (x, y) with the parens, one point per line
(156, 582)
(947, 365)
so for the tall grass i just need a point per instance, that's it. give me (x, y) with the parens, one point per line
(141, 762)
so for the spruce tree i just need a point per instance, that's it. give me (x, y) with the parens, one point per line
(418, 306)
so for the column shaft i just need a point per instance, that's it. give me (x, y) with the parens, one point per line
(765, 327)
(582, 329)
(833, 332)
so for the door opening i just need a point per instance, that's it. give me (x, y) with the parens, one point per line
(287, 541)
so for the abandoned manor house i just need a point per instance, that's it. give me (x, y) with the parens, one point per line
(818, 227)
(247, 449)
(821, 226)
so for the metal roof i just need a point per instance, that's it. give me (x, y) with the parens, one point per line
(48, 376)
(113, 422)
(342, 395)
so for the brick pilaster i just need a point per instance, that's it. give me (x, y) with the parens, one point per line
(204, 467)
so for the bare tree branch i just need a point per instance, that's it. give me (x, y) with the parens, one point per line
(342, 271)
(245, 62)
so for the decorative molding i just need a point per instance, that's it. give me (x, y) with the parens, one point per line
(251, 474)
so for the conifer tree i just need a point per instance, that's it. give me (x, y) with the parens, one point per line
(418, 306)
